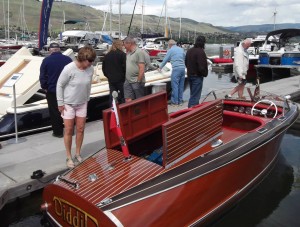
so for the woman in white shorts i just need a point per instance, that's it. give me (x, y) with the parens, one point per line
(73, 92)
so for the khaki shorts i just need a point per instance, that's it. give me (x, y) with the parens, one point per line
(134, 90)
(71, 111)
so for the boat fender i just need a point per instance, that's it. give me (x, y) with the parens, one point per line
(37, 174)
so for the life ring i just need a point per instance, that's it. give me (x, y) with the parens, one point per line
(226, 52)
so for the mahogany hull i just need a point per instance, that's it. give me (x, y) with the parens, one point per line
(198, 201)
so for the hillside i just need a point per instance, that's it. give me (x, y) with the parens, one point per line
(263, 28)
(95, 19)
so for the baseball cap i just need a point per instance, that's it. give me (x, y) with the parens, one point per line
(54, 45)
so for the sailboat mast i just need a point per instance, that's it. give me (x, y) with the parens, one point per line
(166, 20)
(110, 12)
(180, 25)
(104, 21)
(64, 15)
(119, 19)
(274, 15)
(131, 18)
(8, 35)
(142, 28)
(4, 21)
(23, 23)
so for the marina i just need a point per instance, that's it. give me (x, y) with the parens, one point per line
(43, 152)
(228, 161)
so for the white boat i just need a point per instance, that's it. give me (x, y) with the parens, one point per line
(31, 110)
(157, 47)
(284, 59)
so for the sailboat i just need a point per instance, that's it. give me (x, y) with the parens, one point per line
(157, 46)
(8, 43)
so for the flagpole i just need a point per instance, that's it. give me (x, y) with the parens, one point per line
(118, 129)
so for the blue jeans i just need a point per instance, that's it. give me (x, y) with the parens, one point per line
(196, 83)
(177, 84)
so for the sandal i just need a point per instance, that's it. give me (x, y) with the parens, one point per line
(78, 158)
(70, 163)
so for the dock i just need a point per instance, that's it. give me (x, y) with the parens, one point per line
(47, 153)
(222, 67)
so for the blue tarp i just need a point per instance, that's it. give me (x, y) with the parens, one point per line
(107, 39)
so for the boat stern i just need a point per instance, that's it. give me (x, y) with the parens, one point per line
(63, 207)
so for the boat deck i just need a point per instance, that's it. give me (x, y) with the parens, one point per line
(115, 175)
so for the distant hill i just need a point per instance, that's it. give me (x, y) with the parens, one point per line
(264, 28)
(95, 19)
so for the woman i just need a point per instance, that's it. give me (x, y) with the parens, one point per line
(114, 68)
(73, 92)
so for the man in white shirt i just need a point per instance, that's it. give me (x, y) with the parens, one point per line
(240, 68)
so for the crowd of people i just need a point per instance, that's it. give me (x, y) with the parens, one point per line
(67, 83)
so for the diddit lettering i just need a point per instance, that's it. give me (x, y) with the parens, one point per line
(72, 214)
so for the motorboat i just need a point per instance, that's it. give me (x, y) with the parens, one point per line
(166, 167)
(284, 58)
(31, 104)
(157, 47)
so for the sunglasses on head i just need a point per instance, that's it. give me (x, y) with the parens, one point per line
(90, 60)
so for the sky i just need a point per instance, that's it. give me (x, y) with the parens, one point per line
(216, 12)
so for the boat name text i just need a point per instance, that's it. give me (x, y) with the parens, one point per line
(72, 214)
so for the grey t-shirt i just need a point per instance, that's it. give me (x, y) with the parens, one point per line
(74, 85)
(132, 68)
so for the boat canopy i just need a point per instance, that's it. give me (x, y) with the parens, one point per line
(76, 33)
(151, 35)
(284, 34)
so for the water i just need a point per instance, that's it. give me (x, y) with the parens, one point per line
(275, 202)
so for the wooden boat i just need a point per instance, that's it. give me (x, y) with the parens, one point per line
(185, 168)
(32, 108)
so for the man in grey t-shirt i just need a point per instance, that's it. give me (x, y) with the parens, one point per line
(135, 71)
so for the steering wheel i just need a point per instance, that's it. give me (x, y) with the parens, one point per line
(264, 111)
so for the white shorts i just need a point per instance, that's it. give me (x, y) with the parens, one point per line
(70, 111)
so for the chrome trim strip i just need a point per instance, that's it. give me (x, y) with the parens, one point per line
(113, 218)
(50, 216)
